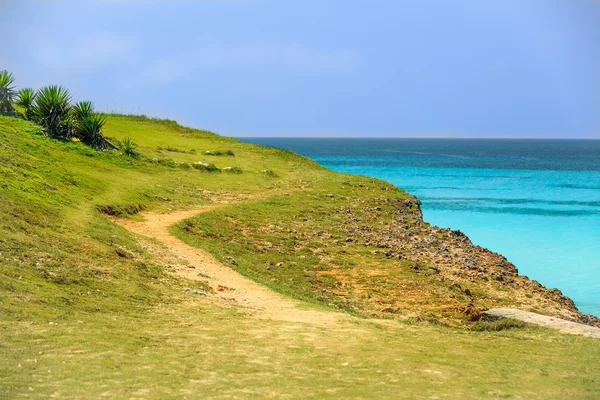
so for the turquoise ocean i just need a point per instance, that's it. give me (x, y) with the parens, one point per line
(537, 202)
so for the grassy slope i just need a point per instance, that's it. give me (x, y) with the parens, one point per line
(77, 320)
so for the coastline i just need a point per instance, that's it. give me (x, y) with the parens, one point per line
(476, 216)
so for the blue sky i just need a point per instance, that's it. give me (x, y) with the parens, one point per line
(461, 68)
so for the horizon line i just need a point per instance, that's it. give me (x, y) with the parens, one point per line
(414, 137)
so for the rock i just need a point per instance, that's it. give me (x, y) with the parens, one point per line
(230, 260)
(195, 291)
(123, 253)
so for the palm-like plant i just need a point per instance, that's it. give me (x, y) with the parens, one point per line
(25, 99)
(51, 109)
(82, 109)
(89, 129)
(128, 147)
(7, 93)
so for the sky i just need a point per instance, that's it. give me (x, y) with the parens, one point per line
(376, 68)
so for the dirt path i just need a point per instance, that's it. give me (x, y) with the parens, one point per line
(267, 303)
(542, 320)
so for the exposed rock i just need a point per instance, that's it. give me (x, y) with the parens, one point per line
(230, 260)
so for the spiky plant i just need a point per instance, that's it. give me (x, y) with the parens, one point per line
(25, 99)
(51, 109)
(128, 147)
(7, 93)
(89, 130)
(82, 110)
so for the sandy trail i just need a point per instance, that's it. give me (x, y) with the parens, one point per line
(266, 303)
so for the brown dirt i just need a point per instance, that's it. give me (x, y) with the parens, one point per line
(265, 302)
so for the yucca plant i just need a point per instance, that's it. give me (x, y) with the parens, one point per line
(128, 147)
(25, 99)
(89, 130)
(51, 109)
(7, 93)
(82, 110)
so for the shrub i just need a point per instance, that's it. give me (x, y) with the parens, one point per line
(82, 110)
(219, 153)
(176, 150)
(51, 110)
(7, 93)
(89, 129)
(202, 166)
(128, 147)
(269, 173)
(233, 170)
(25, 99)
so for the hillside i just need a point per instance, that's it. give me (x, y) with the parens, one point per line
(90, 309)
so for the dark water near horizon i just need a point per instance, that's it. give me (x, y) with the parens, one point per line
(535, 201)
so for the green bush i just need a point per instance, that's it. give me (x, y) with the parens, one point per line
(202, 166)
(269, 173)
(51, 110)
(233, 170)
(89, 129)
(25, 99)
(128, 147)
(219, 153)
(7, 93)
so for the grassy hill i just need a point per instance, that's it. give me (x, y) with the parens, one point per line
(87, 311)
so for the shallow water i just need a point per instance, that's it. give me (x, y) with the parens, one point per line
(535, 201)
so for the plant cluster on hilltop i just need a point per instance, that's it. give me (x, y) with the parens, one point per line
(7, 93)
(51, 107)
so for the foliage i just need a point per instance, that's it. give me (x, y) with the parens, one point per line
(51, 109)
(82, 110)
(79, 321)
(233, 170)
(202, 166)
(89, 129)
(7, 93)
(220, 153)
(25, 99)
(128, 147)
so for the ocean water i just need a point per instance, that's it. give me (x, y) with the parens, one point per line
(535, 201)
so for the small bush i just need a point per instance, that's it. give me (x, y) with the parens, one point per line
(117, 210)
(165, 161)
(128, 147)
(176, 150)
(25, 99)
(233, 170)
(220, 153)
(183, 165)
(202, 166)
(51, 109)
(7, 93)
(269, 172)
(498, 325)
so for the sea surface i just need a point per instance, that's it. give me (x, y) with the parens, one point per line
(537, 202)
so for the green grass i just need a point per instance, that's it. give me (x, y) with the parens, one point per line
(78, 320)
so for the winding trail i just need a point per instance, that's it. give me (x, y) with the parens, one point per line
(271, 305)
(265, 302)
